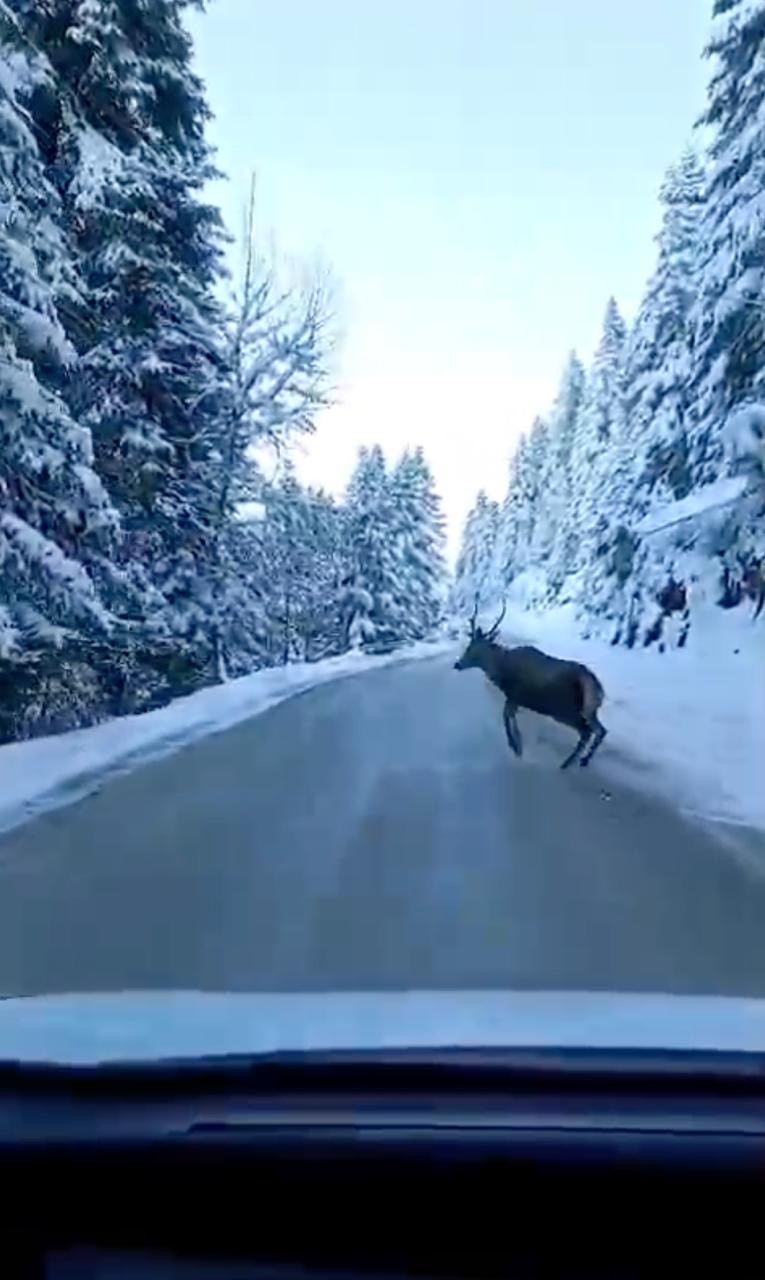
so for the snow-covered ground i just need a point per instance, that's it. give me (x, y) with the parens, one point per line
(694, 717)
(47, 772)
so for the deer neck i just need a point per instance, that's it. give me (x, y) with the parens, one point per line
(492, 664)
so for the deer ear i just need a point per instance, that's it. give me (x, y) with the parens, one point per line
(478, 634)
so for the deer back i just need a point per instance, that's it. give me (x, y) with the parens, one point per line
(550, 686)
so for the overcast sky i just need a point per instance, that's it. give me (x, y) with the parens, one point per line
(479, 174)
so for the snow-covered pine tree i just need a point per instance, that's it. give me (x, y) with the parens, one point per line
(357, 599)
(599, 436)
(242, 604)
(526, 476)
(650, 465)
(55, 519)
(534, 476)
(122, 131)
(288, 553)
(729, 316)
(557, 481)
(727, 435)
(374, 615)
(322, 628)
(505, 554)
(474, 571)
(658, 350)
(514, 522)
(419, 524)
(548, 483)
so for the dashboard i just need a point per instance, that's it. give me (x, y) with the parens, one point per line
(455, 1165)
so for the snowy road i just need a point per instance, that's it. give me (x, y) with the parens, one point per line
(376, 833)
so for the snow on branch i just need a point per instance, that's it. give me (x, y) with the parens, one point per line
(719, 494)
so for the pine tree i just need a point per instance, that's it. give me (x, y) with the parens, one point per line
(474, 578)
(419, 525)
(727, 413)
(122, 130)
(729, 320)
(510, 556)
(649, 465)
(322, 630)
(362, 505)
(529, 461)
(535, 510)
(56, 523)
(548, 487)
(372, 597)
(599, 435)
(657, 361)
(292, 557)
(288, 554)
(505, 555)
(557, 481)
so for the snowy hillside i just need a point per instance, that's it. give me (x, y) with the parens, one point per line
(639, 497)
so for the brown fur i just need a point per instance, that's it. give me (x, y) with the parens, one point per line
(567, 692)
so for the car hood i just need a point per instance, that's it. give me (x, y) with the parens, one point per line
(152, 1026)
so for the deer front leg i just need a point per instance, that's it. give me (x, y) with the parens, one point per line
(512, 732)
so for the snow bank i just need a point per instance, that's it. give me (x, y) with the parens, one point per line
(694, 717)
(48, 772)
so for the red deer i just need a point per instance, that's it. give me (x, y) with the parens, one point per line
(566, 691)
(753, 584)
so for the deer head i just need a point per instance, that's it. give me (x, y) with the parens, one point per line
(479, 642)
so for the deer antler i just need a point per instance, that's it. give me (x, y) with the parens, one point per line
(475, 615)
(491, 633)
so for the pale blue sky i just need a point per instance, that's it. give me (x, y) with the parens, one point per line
(479, 174)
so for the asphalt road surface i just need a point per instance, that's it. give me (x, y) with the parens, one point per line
(376, 833)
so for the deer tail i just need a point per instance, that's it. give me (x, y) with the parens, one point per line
(593, 694)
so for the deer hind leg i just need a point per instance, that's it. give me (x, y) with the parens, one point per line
(512, 732)
(598, 734)
(585, 733)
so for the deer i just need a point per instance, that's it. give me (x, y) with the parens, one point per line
(753, 585)
(567, 692)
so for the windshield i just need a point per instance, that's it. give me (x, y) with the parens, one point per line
(382, 517)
